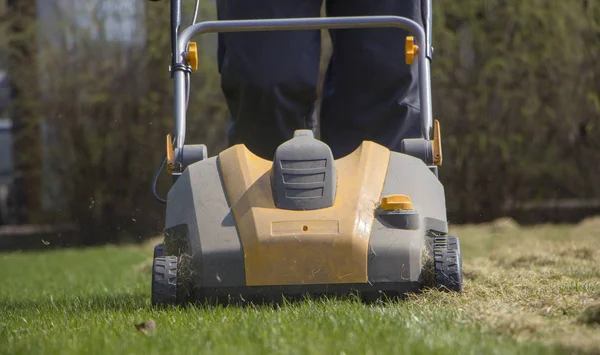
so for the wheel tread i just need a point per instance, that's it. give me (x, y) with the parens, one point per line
(164, 280)
(448, 263)
(159, 250)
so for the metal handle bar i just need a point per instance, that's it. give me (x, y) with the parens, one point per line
(315, 23)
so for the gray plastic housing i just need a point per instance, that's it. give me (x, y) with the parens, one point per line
(303, 175)
(192, 153)
(397, 242)
(418, 148)
(200, 219)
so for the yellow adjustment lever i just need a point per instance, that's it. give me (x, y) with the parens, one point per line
(170, 155)
(192, 56)
(437, 144)
(411, 49)
(396, 203)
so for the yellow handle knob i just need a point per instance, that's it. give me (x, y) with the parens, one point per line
(411, 49)
(192, 56)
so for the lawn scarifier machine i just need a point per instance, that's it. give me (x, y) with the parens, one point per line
(239, 227)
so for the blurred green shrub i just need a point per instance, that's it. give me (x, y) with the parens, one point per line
(516, 87)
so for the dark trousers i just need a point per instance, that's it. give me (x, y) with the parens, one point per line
(269, 79)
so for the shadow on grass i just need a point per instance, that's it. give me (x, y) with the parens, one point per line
(91, 303)
(141, 301)
(279, 300)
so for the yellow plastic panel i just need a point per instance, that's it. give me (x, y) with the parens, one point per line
(300, 228)
(278, 249)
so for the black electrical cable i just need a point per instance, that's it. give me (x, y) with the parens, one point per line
(162, 166)
(175, 23)
(155, 181)
(196, 9)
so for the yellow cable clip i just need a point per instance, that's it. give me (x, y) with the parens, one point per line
(411, 49)
(192, 56)
(170, 155)
(437, 144)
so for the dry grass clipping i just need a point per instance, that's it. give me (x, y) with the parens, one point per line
(536, 283)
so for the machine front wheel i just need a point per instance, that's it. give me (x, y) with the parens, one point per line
(448, 264)
(164, 281)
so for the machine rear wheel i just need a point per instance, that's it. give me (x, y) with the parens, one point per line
(164, 281)
(448, 264)
(159, 250)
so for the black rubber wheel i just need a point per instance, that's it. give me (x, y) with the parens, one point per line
(159, 250)
(448, 264)
(164, 281)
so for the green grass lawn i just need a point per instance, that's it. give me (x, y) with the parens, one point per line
(526, 290)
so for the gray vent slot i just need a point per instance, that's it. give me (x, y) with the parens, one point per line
(303, 175)
(303, 164)
(303, 178)
(304, 193)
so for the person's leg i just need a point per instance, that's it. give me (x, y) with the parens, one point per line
(269, 79)
(370, 93)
